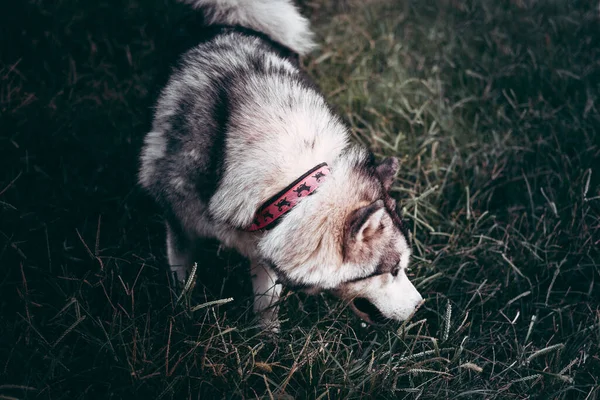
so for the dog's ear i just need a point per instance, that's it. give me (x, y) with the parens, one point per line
(365, 221)
(387, 171)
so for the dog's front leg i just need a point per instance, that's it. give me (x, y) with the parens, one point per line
(180, 252)
(266, 295)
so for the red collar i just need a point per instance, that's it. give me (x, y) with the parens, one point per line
(285, 200)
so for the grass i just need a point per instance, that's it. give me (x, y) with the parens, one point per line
(492, 107)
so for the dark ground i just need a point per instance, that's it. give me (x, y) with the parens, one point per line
(491, 105)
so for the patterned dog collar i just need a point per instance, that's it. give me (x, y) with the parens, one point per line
(285, 200)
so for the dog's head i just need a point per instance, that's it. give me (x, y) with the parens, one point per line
(347, 239)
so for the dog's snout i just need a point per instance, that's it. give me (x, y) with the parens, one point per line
(384, 297)
(418, 298)
(368, 312)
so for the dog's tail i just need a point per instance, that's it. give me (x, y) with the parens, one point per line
(278, 19)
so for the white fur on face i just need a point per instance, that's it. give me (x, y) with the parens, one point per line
(394, 296)
(279, 19)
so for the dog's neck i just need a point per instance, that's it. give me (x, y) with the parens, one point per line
(273, 140)
(269, 214)
(307, 245)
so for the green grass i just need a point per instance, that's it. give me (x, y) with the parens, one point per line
(492, 107)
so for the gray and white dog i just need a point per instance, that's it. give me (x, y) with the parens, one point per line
(244, 148)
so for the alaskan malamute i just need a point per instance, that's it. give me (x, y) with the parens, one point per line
(245, 149)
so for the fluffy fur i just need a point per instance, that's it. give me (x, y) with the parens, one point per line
(279, 19)
(236, 123)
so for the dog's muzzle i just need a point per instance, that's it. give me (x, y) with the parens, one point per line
(382, 298)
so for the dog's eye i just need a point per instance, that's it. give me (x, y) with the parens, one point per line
(395, 271)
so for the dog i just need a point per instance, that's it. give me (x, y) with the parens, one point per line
(245, 149)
